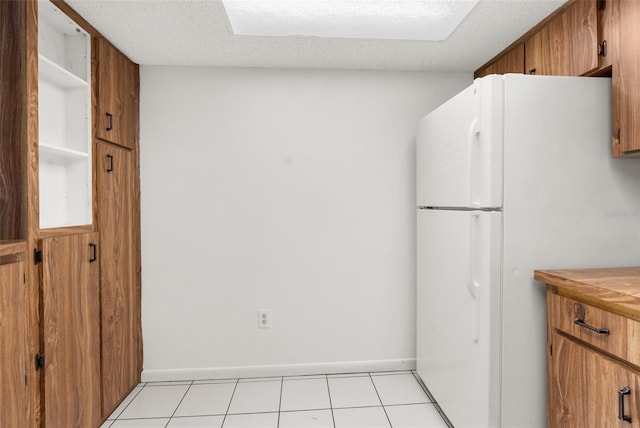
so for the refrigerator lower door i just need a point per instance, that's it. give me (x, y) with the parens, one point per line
(458, 313)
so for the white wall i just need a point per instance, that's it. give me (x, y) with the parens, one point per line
(286, 190)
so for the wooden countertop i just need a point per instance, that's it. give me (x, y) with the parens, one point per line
(614, 289)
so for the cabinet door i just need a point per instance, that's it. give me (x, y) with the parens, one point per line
(626, 75)
(511, 62)
(120, 290)
(14, 350)
(71, 329)
(607, 33)
(117, 96)
(567, 45)
(584, 388)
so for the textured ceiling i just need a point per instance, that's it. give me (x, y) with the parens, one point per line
(196, 32)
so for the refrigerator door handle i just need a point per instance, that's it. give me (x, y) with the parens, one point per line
(473, 285)
(472, 138)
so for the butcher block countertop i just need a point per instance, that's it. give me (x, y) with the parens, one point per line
(615, 289)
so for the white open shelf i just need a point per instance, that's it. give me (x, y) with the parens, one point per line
(59, 76)
(64, 119)
(57, 154)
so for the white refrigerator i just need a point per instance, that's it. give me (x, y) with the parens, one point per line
(513, 174)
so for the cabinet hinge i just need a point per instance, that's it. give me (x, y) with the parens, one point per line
(601, 5)
(602, 48)
(39, 361)
(37, 256)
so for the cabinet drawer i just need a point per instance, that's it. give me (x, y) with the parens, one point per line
(610, 332)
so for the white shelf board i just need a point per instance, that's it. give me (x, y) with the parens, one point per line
(60, 154)
(52, 72)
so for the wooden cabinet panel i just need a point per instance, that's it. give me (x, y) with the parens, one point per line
(14, 347)
(567, 45)
(626, 79)
(564, 312)
(608, 42)
(510, 62)
(584, 385)
(580, 36)
(120, 290)
(118, 87)
(12, 120)
(71, 330)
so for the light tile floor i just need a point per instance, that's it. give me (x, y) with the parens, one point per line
(367, 400)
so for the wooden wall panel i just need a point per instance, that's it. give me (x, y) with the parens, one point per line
(12, 120)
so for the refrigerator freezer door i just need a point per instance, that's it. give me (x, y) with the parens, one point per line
(459, 149)
(458, 310)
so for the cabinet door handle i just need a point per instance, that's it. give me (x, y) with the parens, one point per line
(110, 164)
(94, 253)
(621, 393)
(581, 323)
(532, 71)
(110, 117)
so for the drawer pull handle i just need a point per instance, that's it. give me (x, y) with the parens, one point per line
(621, 393)
(581, 323)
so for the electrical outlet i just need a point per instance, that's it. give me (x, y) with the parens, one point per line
(264, 318)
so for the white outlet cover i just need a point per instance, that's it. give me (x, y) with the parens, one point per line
(264, 318)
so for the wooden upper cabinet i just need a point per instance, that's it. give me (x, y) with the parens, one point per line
(117, 94)
(511, 61)
(567, 45)
(626, 81)
(71, 330)
(608, 33)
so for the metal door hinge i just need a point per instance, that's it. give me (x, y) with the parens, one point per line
(39, 361)
(37, 256)
(602, 48)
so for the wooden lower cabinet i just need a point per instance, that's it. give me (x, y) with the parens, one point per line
(15, 370)
(119, 284)
(586, 389)
(593, 343)
(71, 330)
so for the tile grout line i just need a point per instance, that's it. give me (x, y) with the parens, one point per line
(181, 400)
(280, 402)
(381, 403)
(229, 405)
(128, 404)
(333, 419)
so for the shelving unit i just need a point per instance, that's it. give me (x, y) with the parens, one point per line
(64, 111)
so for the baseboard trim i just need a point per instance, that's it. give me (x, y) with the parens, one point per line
(165, 375)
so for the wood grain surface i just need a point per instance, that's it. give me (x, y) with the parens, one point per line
(14, 345)
(71, 330)
(120, 291)
(13, 120)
